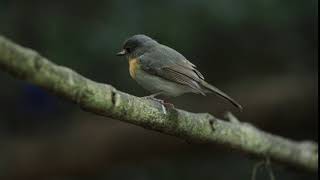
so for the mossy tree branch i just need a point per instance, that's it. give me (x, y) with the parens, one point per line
(105, 100)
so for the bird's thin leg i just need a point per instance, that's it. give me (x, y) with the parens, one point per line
(152, 96)
(164, 104)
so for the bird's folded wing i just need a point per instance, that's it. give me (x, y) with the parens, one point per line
(173, 68)
(171, 74)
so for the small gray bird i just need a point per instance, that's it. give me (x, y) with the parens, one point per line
(162, 70)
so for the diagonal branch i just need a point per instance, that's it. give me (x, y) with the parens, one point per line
(105, 100)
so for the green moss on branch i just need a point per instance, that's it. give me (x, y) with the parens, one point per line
(105, 100)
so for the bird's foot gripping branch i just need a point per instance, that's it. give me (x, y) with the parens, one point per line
(105, 100)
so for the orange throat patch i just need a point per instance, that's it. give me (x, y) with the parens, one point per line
(133, 65)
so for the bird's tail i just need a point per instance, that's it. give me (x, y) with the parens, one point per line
(215, 90)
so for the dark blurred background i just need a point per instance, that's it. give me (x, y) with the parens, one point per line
(262, 52)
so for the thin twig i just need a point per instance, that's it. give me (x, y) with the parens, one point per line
(255, 169)
(268, 166)
(266, 163)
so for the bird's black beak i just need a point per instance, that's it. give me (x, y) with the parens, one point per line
(122, 53)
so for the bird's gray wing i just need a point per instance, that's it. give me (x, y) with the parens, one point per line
(171, 65)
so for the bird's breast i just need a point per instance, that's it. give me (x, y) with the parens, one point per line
(133, 66)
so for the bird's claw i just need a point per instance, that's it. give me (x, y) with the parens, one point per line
(164, 105)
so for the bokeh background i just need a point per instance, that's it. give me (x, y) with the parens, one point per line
(262, 52)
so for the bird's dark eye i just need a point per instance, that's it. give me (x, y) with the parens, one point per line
(128, 50)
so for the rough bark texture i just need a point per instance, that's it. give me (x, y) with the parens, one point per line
(105, 100)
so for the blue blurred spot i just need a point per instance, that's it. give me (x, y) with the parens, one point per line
(36, 100)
